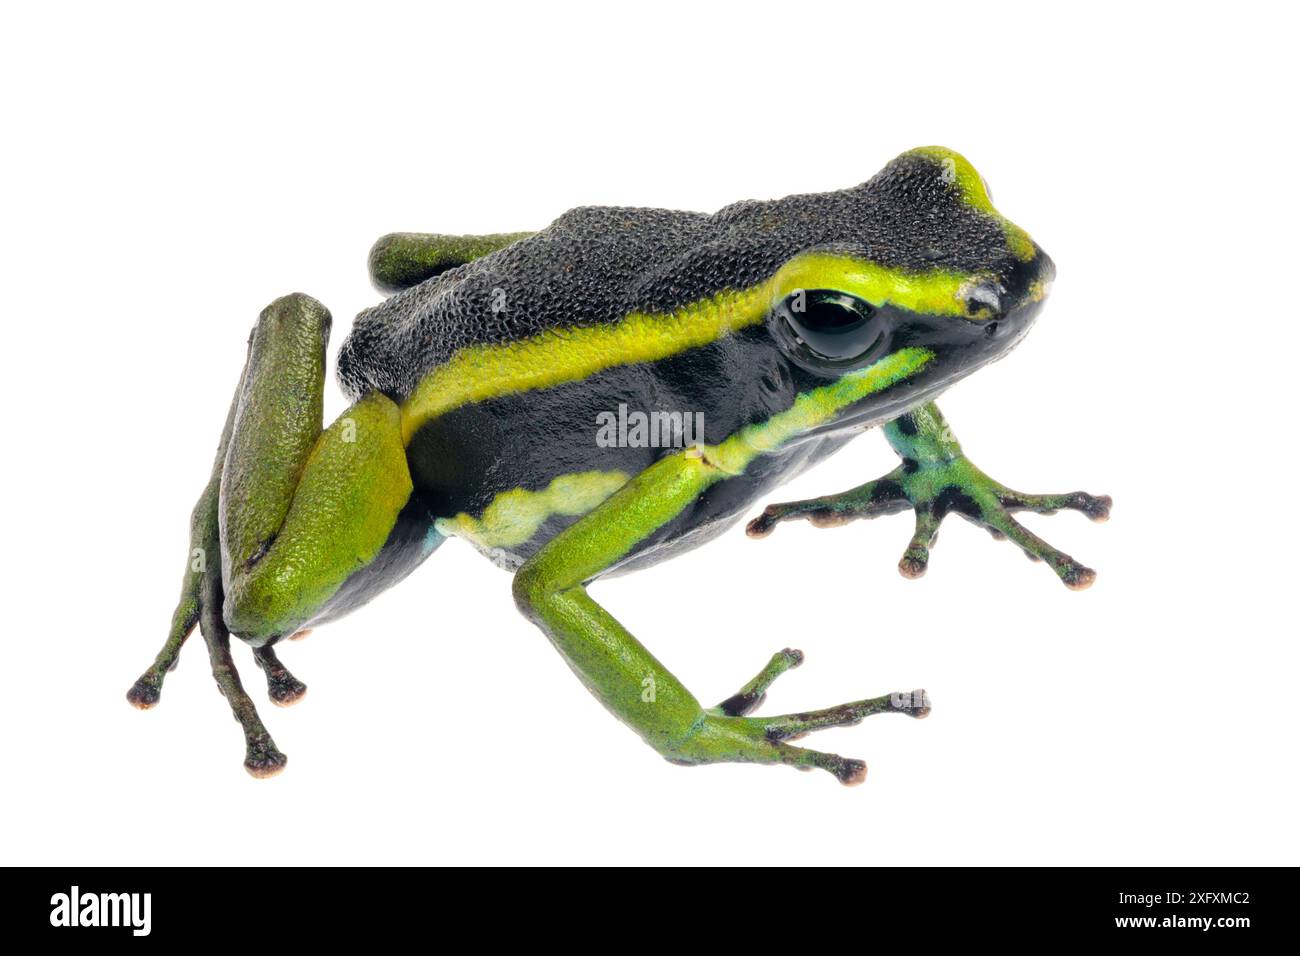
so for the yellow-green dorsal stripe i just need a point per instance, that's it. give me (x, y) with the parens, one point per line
(483, 372)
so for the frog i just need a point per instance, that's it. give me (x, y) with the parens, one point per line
(483, 382)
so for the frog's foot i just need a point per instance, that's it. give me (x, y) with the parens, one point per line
(727, 734)
(283, 688)
(935, 489)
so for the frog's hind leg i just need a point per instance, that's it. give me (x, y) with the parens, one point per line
(203, 590)
(290, 515)
(200, 604)
(203, 562)
(400, 260)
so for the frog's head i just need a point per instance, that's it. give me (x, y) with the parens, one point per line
(922, 262)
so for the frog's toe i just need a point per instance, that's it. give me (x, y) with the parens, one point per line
(772, 515)
(144, 693)
(881, 497)
(853, 773)
(1079, 578)
(1073, 574)
(778, 731)
(916, 559)
(283, 688)
(749, 697)
(286, 693)
(847, 770)
(914, 703)
(1096, 507)
(264, 759)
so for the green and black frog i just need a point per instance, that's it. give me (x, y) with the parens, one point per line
(779, 329)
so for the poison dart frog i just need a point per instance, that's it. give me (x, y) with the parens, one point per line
(777, 330)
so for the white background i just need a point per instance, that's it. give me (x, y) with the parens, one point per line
(167, 172)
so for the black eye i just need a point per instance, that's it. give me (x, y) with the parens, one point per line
(833, 324)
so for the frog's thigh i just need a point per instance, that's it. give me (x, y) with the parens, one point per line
(354, 485)
(400, 260)
(301, 509)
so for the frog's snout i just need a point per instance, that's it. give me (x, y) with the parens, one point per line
(1011, 303)
(1028, 289)
(1042, 274)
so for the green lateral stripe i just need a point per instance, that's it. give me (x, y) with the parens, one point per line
(514, 516)
(488, 371)
(812, 409)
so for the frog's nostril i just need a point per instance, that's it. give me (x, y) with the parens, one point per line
(983, 299)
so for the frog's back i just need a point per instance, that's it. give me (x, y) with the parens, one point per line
(586, 268)
(595, 265)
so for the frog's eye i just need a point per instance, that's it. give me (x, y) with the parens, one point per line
(834, 325)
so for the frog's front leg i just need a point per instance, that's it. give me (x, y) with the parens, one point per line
(936, 478)
(550, 590)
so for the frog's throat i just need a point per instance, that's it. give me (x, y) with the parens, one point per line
(484, 372)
